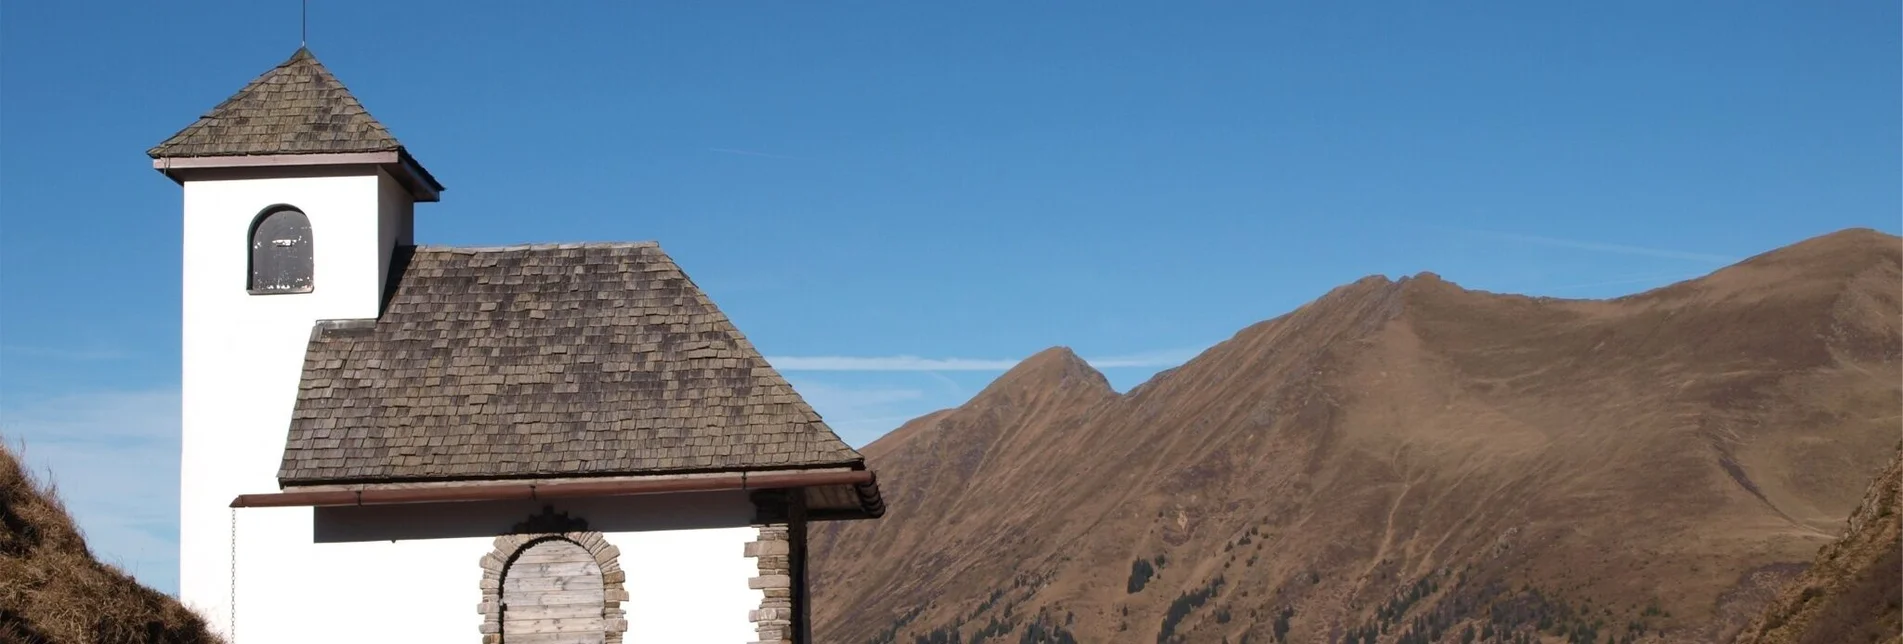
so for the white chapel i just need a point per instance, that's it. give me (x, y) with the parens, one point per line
(538, 444)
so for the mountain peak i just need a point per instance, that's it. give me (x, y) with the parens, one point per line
(1054, 355)
(1847, 246)
(1053, 368)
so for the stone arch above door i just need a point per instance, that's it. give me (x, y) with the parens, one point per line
(584, 546)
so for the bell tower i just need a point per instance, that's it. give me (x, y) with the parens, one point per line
(297, 208)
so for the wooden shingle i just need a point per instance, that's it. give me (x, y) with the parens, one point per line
(296, 108)
(542, 361)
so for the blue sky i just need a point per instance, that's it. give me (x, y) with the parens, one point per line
(896, 201)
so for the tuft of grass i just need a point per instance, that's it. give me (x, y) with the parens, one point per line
(53, 590)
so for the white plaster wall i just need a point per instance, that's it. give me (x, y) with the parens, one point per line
(294, 591)
(395, 225)
(689, 586)
(243, 354)
(685, 586)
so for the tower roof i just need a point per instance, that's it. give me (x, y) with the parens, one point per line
(299, 107)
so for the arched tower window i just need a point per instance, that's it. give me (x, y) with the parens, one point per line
(280, 252)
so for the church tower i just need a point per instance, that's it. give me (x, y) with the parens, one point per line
(297, 208)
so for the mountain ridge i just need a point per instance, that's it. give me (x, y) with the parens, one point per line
(1435, 428)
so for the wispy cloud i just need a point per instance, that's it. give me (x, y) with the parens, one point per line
(65, 354)
(754, 153)
(1616, 249)
(886, 363)
(853, 399)
(861, 414)
(113, 455)
(1153, 359)
(951, 386)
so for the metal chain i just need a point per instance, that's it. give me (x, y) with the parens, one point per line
(231, 609)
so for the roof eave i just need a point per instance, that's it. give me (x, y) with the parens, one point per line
(863, 482)
(421, 185)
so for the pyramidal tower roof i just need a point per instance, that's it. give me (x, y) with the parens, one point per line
(297, 108)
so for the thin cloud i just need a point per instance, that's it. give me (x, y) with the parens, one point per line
(886, 363)
(950, 385)
(825, 396)
(1154, 359)
(1616, 249)
(754, 153)
(861, 414)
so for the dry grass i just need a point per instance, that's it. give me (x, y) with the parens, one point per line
(1404, 458)
(1853, 593)
(53, 590)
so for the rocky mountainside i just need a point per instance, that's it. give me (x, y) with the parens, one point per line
(1402, 461)
(53, 590)
(1853, 592)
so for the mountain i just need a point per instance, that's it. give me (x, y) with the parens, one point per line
(1400, 460)
(53, 590)
(1853, 592)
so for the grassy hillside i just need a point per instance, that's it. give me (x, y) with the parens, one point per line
(1404, 461)
(53, 590)
(1853, 593)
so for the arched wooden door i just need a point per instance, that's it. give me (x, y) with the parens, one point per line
(552, 594)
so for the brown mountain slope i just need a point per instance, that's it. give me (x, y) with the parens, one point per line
(1853, 592)
(1402, 457)
(52, 590)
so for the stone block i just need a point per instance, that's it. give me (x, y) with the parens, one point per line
(765, 548)
(770, 581)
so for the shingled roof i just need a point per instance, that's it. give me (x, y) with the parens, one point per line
(296, 108)
(545, 361)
